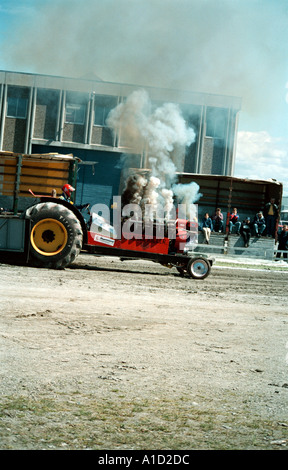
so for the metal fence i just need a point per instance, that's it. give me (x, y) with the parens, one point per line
(281, 254)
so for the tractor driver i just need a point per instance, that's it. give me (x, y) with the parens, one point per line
(66, 196)
(67, 190)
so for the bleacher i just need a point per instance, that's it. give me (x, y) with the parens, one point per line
(232, 245)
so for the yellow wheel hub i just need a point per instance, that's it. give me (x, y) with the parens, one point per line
(48, 237)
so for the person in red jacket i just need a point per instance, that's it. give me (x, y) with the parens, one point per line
(234, 222)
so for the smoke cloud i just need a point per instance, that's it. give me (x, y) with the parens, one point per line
(162, 135)
(227, 47)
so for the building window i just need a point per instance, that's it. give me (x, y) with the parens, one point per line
(17, 107)
(75, 113)
(103, 106)
(216, 120)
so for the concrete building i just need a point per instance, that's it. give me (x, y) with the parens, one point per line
(42, 113)
(284, 205)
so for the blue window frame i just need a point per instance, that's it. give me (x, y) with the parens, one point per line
(17, 107)
(103, 106)
(75, 113)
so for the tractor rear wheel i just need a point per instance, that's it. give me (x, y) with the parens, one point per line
(56, 236)
(198, 268)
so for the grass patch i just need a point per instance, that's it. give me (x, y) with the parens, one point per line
(90, 423)
(228, 264)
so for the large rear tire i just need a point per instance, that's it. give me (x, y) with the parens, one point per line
(56, 236)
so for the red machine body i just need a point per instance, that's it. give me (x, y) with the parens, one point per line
(150, 246)
(142, 243)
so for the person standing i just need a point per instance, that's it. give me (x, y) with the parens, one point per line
(283, 242)
(271, 213)
(245, 231)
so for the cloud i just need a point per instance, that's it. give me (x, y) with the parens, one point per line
(261, 156)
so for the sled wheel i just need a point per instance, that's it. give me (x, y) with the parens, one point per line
(56, 236)
(198, 268)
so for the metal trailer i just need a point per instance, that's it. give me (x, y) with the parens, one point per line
(50, 232)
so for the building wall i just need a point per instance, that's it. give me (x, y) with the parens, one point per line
(284, 203)
(45, 117)
(39, 111)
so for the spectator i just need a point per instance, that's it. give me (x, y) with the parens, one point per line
(259, 224)
(245, 230)
(218, 224)
(271, 214)
(283, 242)
(234, 221)
(206, 227)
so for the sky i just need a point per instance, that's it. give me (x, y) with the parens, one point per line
(228, 47)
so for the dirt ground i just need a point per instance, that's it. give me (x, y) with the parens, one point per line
(111, 354)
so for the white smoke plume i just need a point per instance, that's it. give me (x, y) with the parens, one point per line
(187, 194)
(166, 135)
(128, 120)
(149, 201)
(161, 135)
(167, 195)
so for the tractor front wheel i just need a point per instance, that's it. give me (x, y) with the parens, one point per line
(56, 236)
